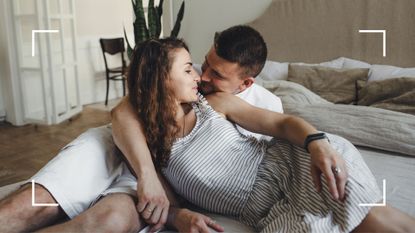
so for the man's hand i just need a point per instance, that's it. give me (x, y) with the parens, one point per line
(325, 160)
(153, 204)
(189, 221)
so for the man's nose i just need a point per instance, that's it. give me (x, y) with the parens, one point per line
(205, 76)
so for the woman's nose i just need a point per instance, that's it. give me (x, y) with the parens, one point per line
(197, 77)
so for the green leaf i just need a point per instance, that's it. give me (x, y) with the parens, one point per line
(140, 28)
(179, 19)
(134, 5)
(129, 48)
(152, 19)
(159, 10)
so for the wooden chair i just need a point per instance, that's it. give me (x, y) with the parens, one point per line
(113, 47)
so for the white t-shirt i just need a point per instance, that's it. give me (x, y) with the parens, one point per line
(258, 96)
(262, 98)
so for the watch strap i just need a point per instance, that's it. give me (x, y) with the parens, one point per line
(314, 137)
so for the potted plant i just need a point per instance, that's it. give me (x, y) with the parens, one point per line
(152, 29)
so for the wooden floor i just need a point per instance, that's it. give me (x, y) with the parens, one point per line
(26, 149)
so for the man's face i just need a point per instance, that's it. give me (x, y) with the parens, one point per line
(220, 75)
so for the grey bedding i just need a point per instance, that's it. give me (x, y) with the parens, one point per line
(363, 126)
(386, 139)
(399, 174)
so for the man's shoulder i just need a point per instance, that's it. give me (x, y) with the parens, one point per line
(257, 92)
(261, 97)
(261, 90)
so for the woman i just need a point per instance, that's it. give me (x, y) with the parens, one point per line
(209, 163)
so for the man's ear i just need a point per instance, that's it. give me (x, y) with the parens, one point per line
(246, 83)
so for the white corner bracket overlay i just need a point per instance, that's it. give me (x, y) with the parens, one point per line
(39, 204)
(384, 198)
(39, 31)
(383, 34)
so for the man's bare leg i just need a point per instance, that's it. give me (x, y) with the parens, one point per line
(113, 213)
(18, 215)
(386, 219)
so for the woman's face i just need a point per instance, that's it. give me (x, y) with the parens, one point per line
(183, 77)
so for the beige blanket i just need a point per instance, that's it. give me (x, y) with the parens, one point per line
(396, 94)
(363, 126)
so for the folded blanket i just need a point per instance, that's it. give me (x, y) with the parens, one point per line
(363, 126)
(396, 94)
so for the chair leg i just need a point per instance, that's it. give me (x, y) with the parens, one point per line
(106, 96)
(123, 87)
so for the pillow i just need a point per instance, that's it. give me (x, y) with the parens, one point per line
(279, 70)
(336, 63)
(352, 64)
(396, 94)
(382, 72)
(334, 85)
(274, 71)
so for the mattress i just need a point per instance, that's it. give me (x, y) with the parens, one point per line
(397, 170)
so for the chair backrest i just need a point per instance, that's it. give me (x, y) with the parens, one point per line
(113, 46)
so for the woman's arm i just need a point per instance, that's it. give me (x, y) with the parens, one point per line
(129, 137)
(294, 129)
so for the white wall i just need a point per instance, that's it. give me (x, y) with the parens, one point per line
(2, 64)
(203, 18)
(9, 85)
(2, 107)
(96, 19)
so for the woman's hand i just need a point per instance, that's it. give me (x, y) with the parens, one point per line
(189, 221)
(153, 204)
(325, 160)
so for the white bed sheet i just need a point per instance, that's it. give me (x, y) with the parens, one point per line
(399, 174)
(397, 170)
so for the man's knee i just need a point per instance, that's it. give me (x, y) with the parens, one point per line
(121, 221)
(115, 215)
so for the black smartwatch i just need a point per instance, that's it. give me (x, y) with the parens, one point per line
(313, 137)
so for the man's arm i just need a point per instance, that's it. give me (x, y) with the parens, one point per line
(294, 129)
(128, 134)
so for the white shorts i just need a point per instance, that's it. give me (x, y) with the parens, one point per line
(85, 170)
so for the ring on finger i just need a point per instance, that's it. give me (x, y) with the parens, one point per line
(336, 170)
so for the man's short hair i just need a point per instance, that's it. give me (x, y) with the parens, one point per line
(243, 45)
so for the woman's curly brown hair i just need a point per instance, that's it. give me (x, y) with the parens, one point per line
(151, 96)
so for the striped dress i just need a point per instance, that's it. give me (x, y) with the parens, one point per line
(266, 185)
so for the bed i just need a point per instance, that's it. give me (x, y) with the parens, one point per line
(325, 33)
